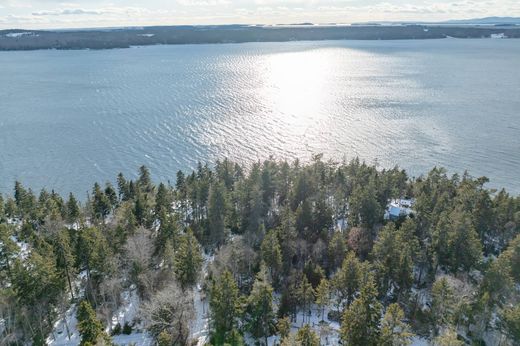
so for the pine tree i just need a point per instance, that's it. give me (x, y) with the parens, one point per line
(217, 206)
(306, 337)
(443, 303)
(272, 254)
(346, 282)
(100, 203)
(2, 209)
(111, 195)
(394, 331)
(393, 253)
(8, 252)
(163, 201)
(168, 233)
(448, 338)
(360, 322)
(122, 188)
(323, 296)
(304, 224)
(180, 184)
(224, 305)
(93, 252)
(511, 322)
(305, 295)
(144, 182)
(283, 326)
(65, 257)
(89, 327)
(188, 259)
(463, 242)
(498, 283)
(73, 211)
(36, 279)
(260, 317)
(337, 250)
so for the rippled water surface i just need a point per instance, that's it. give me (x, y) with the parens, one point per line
(69, 118)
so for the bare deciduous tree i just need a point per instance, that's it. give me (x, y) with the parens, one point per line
(170, 311)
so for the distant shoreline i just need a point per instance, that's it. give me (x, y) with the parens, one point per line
(96, 39)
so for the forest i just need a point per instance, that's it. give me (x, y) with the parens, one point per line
(275, 253)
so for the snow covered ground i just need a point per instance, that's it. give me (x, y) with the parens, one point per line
(200, 326)
(65, 332)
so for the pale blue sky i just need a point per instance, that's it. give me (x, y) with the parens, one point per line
(106, 13)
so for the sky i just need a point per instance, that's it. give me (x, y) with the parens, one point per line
(41, 14)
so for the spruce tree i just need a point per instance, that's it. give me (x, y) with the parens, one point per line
(360, 322)
(217, 207)
(188, 259)
(443, 303)
(305, 295)
(73, 211)
(307, 337)
(394, 331)
(323, 296)
(347, 280)
(89, 327)
(260, 317)
(272, 254)
(511, 322)
(224, 306)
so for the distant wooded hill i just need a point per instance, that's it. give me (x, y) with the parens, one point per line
(126, 37)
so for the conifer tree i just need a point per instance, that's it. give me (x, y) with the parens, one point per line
(360, 322)
(305, 295)
(188, 259)
(306, 337)
(73, 211)
(144, 182)
(8, 252)
(283, 326)
(347, 280)
(217, 207)
(100, 203)
(511, 322)
(65, 257)
(163, 201)
(394, 331)
(122, 187)
(93, 252)
(272, 254)
(443, 303)
(337, 249)
(225, 306)
(323, 296)
(448, 338)
(260, 317)
(463, 242)
(89, 327)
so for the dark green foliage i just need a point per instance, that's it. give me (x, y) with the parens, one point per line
(259, 314)
(217, 209)
(188, 259)
(90, 328)
(360, 322)
(117, 329)
(225, 305)
(511, 322)
(284, 215)
(127, 329)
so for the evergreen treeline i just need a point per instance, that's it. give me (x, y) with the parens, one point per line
(266, 244)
